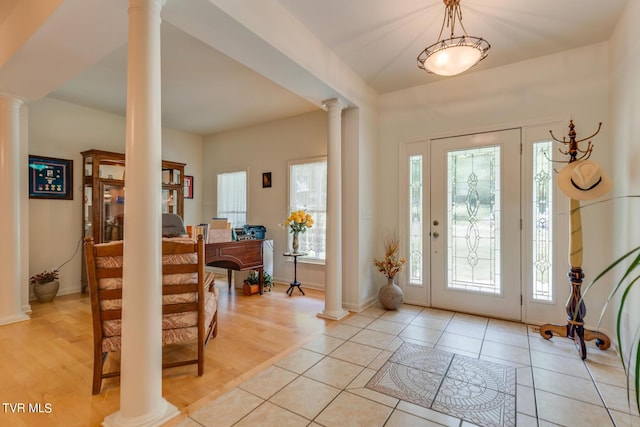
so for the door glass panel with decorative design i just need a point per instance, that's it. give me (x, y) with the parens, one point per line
(475, 228)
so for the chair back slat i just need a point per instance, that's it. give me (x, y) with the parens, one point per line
(179, 268)
(179, 289)
(179, 308)
(111, 315)
(109, 273)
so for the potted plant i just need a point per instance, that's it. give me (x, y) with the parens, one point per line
(267, 281)
(251, 284)
(45, 285)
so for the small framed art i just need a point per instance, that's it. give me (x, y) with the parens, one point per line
(188, 187)
(266, 180)
(50, 178)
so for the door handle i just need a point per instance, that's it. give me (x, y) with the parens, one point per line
(435, 234)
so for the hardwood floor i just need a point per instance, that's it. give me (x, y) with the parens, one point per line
(48, 359)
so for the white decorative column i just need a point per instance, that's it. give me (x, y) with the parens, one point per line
(141, 401)
(333, 272)
(10, 223)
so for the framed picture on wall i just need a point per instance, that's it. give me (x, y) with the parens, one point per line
(266, 180)
(188, 187)
(50, 178)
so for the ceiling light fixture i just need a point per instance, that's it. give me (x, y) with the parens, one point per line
(448, 57)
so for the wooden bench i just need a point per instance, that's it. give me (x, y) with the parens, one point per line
(189, 300)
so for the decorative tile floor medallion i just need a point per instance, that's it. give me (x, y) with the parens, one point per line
(481, 392)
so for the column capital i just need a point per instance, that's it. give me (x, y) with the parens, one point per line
(10, 102)
(332, 104)
(143, 3)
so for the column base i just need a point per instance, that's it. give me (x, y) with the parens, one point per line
(20, 317)
(168, 412)
(333, 314)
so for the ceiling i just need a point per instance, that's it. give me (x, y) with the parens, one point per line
(205, 91)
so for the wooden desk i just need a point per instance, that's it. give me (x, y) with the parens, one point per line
(239, 255)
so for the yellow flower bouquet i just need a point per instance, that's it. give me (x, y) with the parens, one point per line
(299, 221)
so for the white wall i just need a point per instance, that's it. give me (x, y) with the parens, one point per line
(625, 146)
(268, 148)
(360, 198)
(60, 129)
(570, 84)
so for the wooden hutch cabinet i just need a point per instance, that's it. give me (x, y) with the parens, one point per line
(104, 195)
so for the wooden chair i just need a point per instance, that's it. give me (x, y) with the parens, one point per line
(189, 300)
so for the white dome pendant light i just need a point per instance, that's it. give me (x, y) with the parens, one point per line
(448, 57)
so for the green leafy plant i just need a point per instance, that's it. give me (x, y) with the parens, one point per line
(626, 283)
(254, 279)
(624, 286)
(268, 281)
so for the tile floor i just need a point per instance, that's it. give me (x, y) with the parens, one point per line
(424, 367)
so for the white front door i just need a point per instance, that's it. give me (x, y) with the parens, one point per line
(475, 224)
(482, 222)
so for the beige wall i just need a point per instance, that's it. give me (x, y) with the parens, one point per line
(60, 129)
(625, 147)
(268, 148)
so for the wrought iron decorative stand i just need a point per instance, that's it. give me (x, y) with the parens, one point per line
(576, 309)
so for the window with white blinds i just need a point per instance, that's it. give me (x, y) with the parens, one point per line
(232, 197)
(308, 191)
